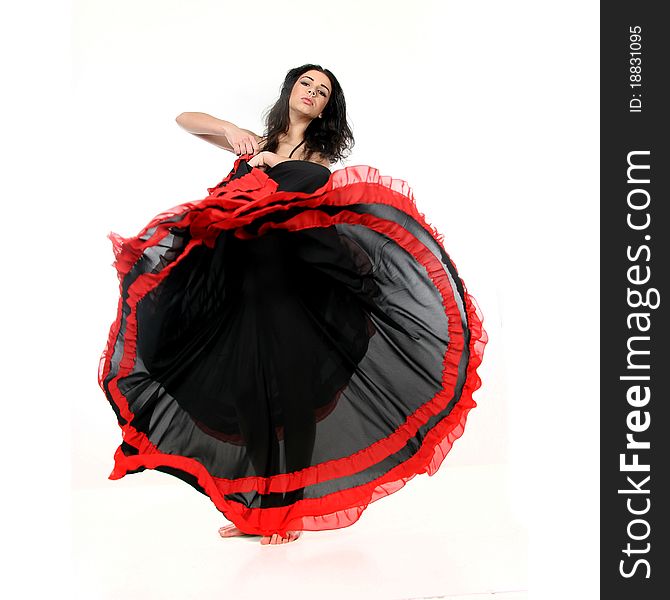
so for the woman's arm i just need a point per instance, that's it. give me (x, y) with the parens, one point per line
(266, 159)
(222, 134)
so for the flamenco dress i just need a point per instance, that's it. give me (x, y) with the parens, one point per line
(295, 345)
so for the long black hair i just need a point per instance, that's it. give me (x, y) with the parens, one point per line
(329, 135)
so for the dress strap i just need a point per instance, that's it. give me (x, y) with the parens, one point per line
(294, 149)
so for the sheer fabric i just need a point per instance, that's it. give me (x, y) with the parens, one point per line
(295, 346)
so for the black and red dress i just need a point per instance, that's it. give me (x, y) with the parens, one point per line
(295, 346)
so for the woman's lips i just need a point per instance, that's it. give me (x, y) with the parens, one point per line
(307, 100)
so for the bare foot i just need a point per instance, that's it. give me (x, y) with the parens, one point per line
(231, 531)
(277, 539)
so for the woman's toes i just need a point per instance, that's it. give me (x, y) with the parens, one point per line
(225, 531)
(275, 538)
(231, 531)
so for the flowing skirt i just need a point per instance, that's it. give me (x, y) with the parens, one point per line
(294, 356)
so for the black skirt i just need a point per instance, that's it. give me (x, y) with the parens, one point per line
(296, 345)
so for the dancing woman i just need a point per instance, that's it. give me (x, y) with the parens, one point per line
(298, 343)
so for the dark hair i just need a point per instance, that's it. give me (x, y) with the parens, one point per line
(329, 135)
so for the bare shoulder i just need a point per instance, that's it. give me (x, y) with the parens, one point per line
(320, 159)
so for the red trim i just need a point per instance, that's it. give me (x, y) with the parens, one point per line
(342, 508)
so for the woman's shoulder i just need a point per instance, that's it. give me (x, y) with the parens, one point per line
(315, 157)
(320, 159)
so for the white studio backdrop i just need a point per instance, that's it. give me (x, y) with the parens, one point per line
(138, 65)
(472, 103)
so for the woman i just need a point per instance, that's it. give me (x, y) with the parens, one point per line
(298, 344)
(304, 97)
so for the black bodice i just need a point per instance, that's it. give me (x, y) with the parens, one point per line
(299, 175)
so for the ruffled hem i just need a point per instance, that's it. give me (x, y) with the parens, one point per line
(230, 208)
(343, 508)
(243, 200)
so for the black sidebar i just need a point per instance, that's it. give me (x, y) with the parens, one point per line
(635, 259)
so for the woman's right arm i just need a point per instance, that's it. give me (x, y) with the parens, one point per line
(223, 134)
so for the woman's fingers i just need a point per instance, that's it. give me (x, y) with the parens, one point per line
(256, 162)
(244, 144)
(253, 145)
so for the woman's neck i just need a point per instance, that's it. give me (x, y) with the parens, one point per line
(296, 129)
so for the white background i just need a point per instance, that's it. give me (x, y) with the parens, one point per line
(489, 110)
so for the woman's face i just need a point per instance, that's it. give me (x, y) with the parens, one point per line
(314, 86)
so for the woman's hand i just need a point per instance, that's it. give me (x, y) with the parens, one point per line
(259, 160)
(266, 159)
(241, 141)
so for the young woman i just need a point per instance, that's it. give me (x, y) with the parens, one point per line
(292, 132)
(298, 344)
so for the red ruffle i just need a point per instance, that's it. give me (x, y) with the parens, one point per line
(237, 204)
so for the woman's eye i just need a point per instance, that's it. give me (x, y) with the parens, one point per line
(320, 91)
